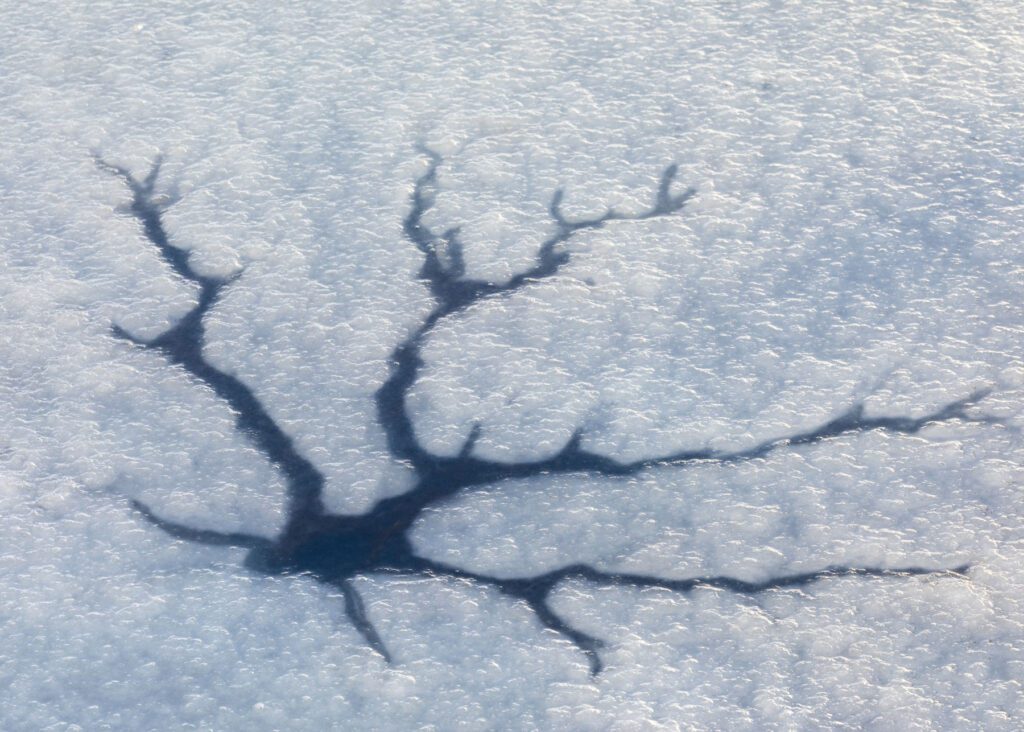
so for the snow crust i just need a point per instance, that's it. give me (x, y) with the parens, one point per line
(856, 238)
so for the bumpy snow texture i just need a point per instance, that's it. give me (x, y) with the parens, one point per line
(593, 366)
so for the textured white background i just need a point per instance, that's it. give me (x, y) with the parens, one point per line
(857, 236)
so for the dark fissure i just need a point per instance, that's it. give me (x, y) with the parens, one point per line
(336, 548)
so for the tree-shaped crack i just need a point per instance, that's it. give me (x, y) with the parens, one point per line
(336, 548)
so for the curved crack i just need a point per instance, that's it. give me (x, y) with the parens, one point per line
(334, 549)
(201, 536)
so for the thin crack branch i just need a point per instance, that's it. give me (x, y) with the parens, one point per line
(572, 458)
(454, 294)
(737, 586)
(536, 590)
(589, 645)
(121, 334)
(356, 612)
(148, 211)
(201, 536)
(182, 344)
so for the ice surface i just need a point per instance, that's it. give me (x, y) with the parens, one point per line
(855, 239)
(872, 499)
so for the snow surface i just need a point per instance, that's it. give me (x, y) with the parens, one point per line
(856, 238)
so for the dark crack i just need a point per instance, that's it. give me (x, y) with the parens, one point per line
(182, 344)
(335, 549)
(535, 591)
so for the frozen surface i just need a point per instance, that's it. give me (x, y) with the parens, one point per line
(855, 241)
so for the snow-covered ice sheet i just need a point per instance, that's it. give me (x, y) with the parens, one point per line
(853, 256)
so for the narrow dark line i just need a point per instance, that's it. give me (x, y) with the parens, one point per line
(588, 644)
(572, 458)
(536, 590)
(356, 612)
(200, 536)
(738, 586)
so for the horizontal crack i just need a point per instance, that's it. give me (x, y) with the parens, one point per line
(535, 590)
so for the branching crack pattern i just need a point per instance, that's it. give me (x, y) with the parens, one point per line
(334, 548)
